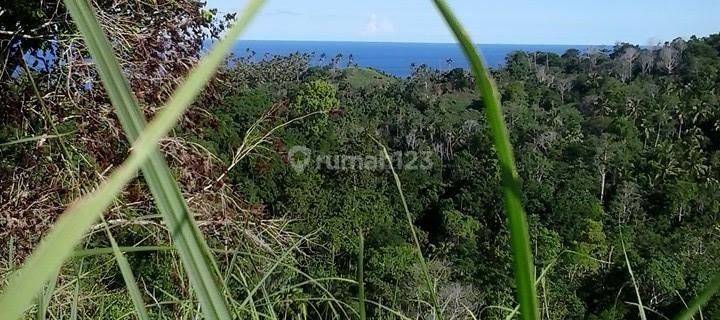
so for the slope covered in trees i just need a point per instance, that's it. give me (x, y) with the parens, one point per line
(614, 148)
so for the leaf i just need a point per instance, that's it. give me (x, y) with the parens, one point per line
(519, 234)
(361, 277)
(641, 308)
(128, 277)
(701, 299)
(429, 284)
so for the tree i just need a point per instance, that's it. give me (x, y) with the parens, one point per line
(316, 96)
(563, 85)
(646, 60)
(670, 54)
(626, 62)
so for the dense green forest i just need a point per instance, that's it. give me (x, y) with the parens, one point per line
(618, 151)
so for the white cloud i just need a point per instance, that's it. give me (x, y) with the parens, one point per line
(378, 25)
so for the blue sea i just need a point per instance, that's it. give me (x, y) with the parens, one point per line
(394, 57)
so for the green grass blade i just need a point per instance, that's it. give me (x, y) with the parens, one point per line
(361, 278)
(269, 271)
(641, 308)
(102, 251)
(192, 249)
(519, 235)
(11, 253)
(33, 139)
(67, 232)
(76, 292)
(44, 298)
(129, 278)
(423, 265)
(700, 300)
(44, 107)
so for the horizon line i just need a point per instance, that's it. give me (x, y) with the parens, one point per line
(425, 42)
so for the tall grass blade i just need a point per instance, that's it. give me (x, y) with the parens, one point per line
(423, 265)
(700, 300)
(542, 276)
(41, 137)
(11, 254)
(76, 292)
(41, 101)
(102, 251)
(641, 308)
(270, 270)
(128, 277)
(197, 259)
(519, 235)
(70, 227)
(44, 298)
(361, 278)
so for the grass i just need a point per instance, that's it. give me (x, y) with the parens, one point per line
(128, 277)
(68, 231)
(361, 278)
(641, 308)
(197, 260)
(429, 283)
(519, 235)
(700, 300)
(43, 300)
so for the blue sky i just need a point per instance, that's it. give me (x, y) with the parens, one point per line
(506, 21)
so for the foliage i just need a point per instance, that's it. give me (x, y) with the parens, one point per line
(314, 96)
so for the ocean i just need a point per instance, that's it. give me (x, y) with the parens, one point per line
(394, 57)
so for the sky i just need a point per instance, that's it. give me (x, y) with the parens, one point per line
(579, 22)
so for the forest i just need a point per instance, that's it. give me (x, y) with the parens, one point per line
(618, 153)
